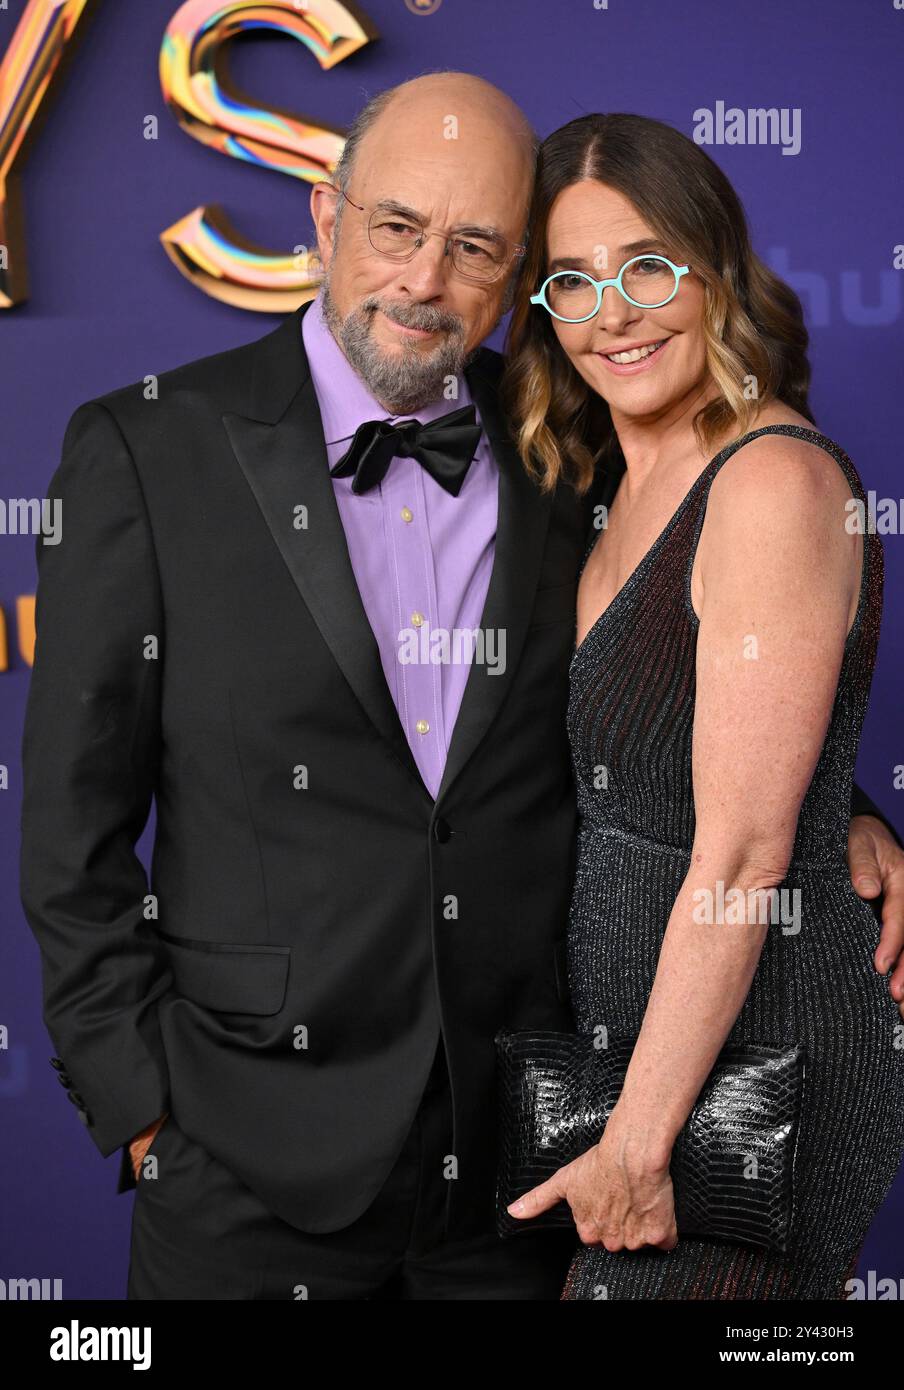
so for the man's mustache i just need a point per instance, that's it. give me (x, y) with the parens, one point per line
(423, 316)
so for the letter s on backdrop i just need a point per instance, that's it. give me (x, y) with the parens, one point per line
(194, 77)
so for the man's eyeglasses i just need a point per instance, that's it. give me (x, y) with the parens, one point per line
(476, 255)
(645, 281)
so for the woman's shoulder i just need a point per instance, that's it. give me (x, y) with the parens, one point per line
(782, 463)
(783, 498)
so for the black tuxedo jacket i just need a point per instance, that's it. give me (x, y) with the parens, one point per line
(313, 921)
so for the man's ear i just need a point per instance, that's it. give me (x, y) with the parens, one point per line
(324, 206)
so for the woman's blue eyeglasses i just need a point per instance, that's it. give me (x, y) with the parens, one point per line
(647, 282)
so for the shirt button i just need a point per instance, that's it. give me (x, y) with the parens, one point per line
(407, 514)
(422, 726)
(417, 619)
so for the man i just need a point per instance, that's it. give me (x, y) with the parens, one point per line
(362, 864)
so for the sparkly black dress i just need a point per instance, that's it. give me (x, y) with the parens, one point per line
(631, 709)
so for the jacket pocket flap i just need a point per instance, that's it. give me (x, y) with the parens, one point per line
(233, 978)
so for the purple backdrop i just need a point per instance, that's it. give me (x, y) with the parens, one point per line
(107, 307)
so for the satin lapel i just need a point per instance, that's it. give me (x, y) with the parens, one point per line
(522, 524)
(281, 450)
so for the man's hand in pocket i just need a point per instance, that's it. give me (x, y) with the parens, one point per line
(139, 1146)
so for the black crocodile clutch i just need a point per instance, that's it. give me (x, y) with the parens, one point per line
(732, 1165)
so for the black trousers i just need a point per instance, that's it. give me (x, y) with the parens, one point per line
(199, 1233)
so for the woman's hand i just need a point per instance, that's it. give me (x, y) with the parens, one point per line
(620, 1192)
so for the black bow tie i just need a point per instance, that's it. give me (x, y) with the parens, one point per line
(445, 448)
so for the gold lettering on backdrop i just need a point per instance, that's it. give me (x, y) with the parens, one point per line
(25, 623)
(204, 245)
(195, 81)
(40, 48)
(25, 628)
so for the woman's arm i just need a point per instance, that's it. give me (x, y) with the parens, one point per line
(780, 577)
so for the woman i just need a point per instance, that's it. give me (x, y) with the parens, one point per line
(727, 624)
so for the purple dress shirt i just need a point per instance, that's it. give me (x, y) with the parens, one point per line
(420, 556)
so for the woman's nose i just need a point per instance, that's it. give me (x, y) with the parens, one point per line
(615, 312)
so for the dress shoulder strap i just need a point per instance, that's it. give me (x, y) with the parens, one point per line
(872, 567)
(810, 436)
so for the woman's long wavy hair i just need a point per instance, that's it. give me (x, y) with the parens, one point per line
(756, 340)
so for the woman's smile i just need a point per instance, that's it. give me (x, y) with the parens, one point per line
(629, 361)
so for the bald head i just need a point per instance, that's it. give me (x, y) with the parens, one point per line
(443, 165)
(446, 107)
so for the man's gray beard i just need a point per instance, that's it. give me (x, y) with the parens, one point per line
(405, 381)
